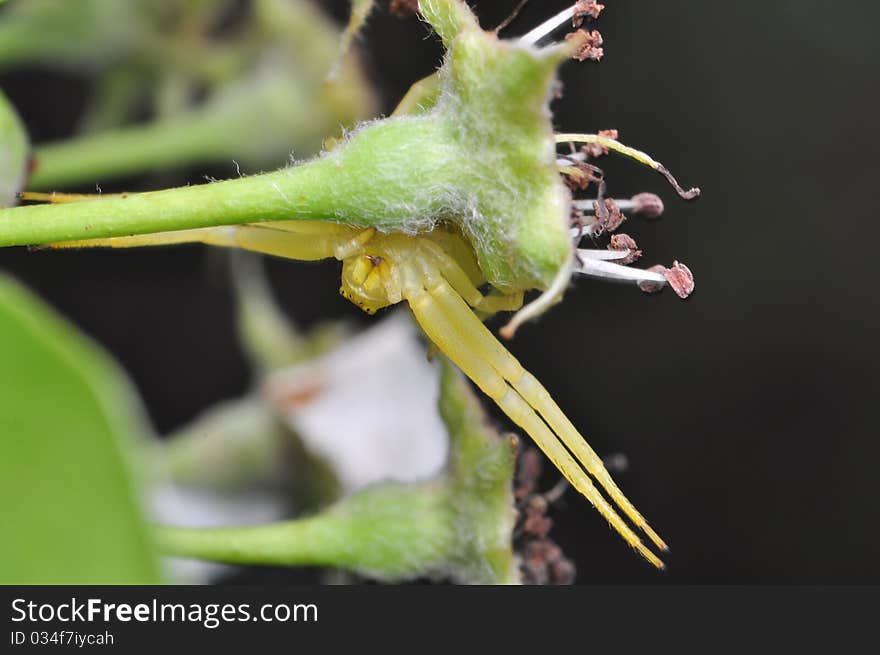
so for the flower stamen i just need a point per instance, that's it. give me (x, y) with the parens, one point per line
(646, 205)
(679, 277)
(632, 153)
(549, 26)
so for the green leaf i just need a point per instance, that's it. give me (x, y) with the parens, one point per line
(13, 153)
(69, 511)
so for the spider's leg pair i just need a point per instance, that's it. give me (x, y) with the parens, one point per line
(443, 314)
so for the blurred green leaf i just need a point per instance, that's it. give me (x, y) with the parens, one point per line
(77, 36)
(69, 511)
(13, 153)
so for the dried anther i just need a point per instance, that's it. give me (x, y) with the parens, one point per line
(647, 205)
(536, 522)
(541, 560)
(543, 563)
(680, 279)
(578, 181)
(580, 175)
(528, 470)
(403, 8)
(609, 214)
(590, 46)
(624, 242)
(585, 9)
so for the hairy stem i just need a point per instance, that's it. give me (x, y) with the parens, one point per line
(357, 183)
(261, 198)
(391, 532)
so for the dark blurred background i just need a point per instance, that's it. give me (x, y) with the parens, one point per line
(749, 412)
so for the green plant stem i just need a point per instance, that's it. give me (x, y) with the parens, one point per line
(368, 533)
(353, 186)
(229, 202)
(224, 129)
(103, 157)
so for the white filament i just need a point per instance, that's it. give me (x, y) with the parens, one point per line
(547, 27)
(609, 271)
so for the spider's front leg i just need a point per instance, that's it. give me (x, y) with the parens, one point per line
(465, 286)
(452, 326)
(302, 240)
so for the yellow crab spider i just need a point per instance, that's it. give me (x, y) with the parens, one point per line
(438, 276)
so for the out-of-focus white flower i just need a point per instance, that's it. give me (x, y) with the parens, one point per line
(369, 407)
